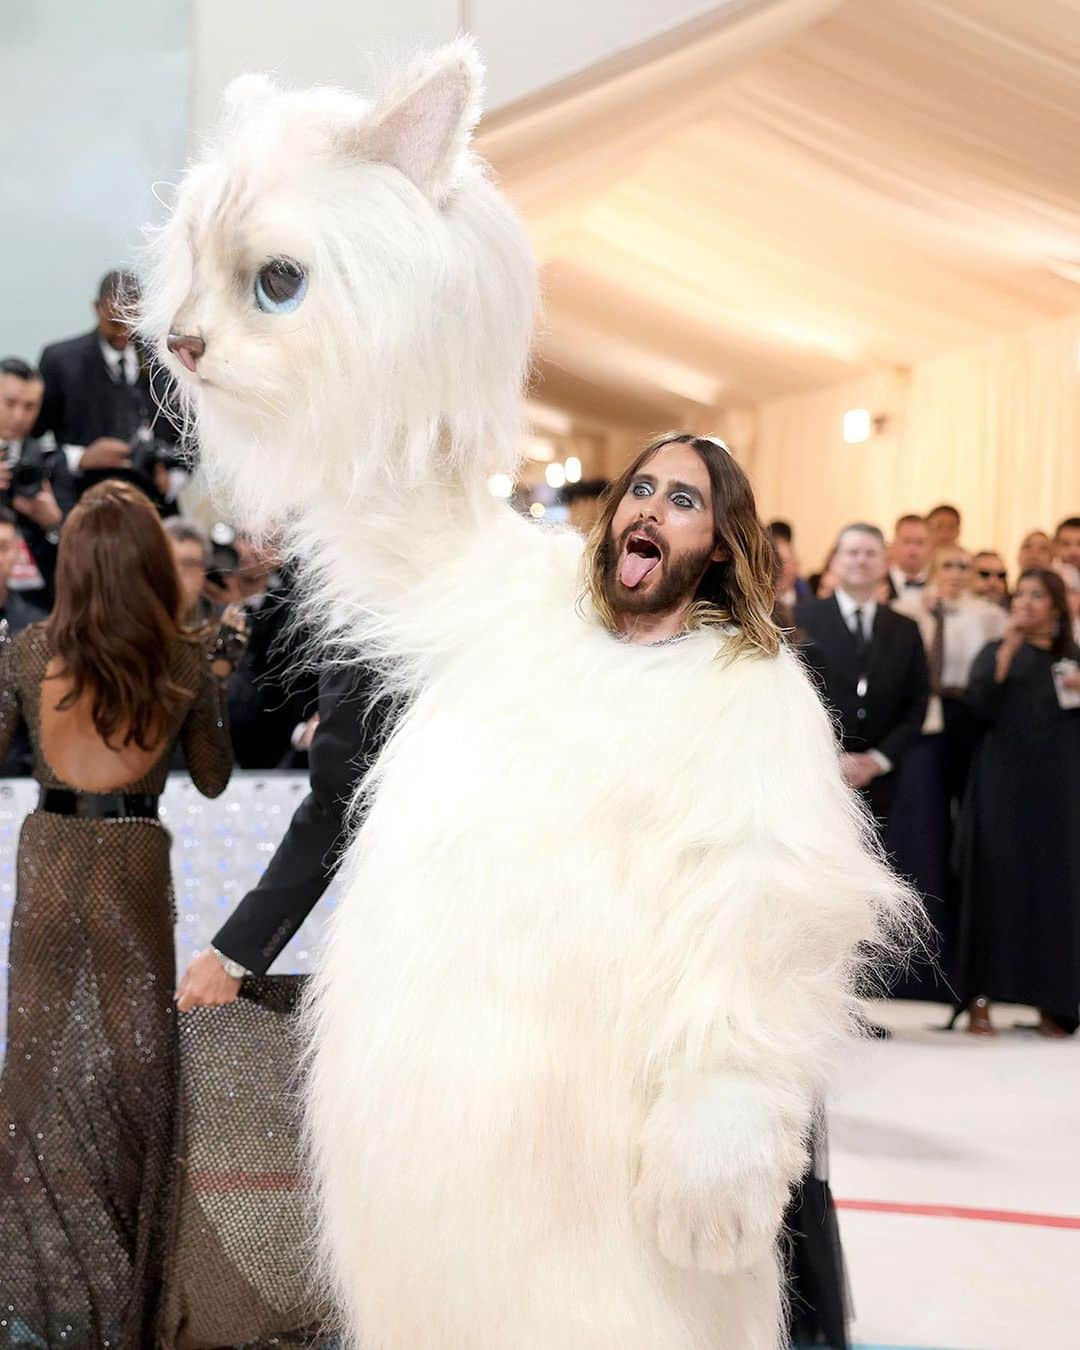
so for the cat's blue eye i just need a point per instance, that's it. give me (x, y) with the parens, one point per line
(280, 286)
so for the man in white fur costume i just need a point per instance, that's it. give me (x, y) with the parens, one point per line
(587, 980)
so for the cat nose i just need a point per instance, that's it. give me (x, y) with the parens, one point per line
(187, 346)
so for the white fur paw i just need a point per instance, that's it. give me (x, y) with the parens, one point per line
(716, 1167)
(721, 1228)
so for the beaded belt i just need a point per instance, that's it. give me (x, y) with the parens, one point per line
(99, 805)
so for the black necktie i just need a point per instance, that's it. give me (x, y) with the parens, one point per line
(121, 372)
(860, 638)
(937, 648)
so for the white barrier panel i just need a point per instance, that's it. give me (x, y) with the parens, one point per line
(219, 851)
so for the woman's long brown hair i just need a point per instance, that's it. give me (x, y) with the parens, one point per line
(739, 591)
(115, 625)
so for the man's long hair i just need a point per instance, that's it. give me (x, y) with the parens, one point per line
(738, 591)
(116, 622)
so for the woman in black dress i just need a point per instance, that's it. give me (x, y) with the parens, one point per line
(1018, 848)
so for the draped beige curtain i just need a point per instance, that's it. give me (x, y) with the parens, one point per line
(994, 429)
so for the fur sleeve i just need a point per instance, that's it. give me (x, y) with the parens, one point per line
(787, 901)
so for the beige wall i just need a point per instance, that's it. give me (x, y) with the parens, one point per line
(995, 430)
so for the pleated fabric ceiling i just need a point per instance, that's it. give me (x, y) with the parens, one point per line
(798, 193)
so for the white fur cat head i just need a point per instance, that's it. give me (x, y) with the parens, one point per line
(415, 309)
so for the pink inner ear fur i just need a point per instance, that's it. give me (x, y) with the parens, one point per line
(419, 135)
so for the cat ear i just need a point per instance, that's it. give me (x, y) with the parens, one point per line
(245, 94)
(424, 127)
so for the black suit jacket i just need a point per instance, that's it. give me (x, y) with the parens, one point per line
(273, 687)
(888, 717)
(83, 402)
(346, 743)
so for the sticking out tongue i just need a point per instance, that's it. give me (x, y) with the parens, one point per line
(638, 561)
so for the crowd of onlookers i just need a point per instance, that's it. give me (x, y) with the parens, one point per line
(93, 408)
(956, 694)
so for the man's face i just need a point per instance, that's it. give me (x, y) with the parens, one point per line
(111, 326)
(952, 572)
(944, 529)
(859, 561)
(1067, 545)
(8, 552)
(911, 548)
(255, 562)
(662, 534)
(20, 403)
(190, 566)
(989, 577)
(1036, 551)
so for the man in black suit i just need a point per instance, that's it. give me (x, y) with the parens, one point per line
(346, 742)
(101, 394)
(871, 666)
(35, 478)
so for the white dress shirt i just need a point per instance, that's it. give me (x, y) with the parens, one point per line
(907, 586)
(115, 361)
(848, 606)
(970, 623)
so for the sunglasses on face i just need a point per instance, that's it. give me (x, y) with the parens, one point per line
(990, 576)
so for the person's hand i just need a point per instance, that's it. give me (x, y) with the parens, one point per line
(303, 741)
(859, 770)
(227, 594)
(1072, 681)
(233, 617)
(1014, 633)
(107, 452)
(42, 508)
(1012, 640)
(5, 478)
(206, 984)
(160, 474)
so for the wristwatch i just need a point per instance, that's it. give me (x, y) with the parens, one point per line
(231, 968)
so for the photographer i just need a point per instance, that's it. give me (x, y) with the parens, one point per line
(101, 403)
(35, 479)
(191, 553)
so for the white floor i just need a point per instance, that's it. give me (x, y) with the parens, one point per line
(929, 1119)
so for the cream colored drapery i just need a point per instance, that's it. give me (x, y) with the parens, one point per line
(994, 429)
(776, 226)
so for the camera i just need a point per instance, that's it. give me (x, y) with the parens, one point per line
(147, 450)
(27, 473)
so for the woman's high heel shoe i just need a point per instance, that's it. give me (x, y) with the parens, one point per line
(979, 1023)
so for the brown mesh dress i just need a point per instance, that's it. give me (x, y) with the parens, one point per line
(104, 1241)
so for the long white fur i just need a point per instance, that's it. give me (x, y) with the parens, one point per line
(605, 919)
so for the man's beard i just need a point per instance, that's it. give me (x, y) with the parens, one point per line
(676, 587)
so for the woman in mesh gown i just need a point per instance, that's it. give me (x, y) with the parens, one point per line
(88, 1095)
